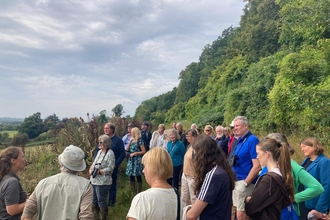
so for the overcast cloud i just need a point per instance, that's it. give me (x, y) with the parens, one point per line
(70, 57)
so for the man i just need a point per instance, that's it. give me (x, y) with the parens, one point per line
(244, 163)
(221, 139)
(65, 195)
(146, 135)
(127, 137)
(183, 139)
(119, 151)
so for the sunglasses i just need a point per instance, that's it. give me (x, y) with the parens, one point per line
(206, 130)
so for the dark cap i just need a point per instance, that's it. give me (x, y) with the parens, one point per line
(145, 123)
(130, 125)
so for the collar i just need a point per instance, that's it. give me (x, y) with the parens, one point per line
(244, 136)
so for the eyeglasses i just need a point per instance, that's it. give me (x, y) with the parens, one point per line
(207, 130)
(100, 142)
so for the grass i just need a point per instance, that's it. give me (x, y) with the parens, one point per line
(11, 133)
(42, 162)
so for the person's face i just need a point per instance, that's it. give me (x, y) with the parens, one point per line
(219, 131)
(190, 138)
(226, 132)
(19, 163)
(262, 156)
(101, 146)
(308, 151)
(145, 172)
(144, 127)
(172, 137)
(160, 130)
(179, 128)
(239, 128)
(107, 130)
(129, 129)
(174, 125)
(208, 131)
(193, 127)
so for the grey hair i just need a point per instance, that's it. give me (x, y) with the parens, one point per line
(280, 138)
(175, 132)
(66, 170)
(106, 140)
(179, 124)
(243, 120)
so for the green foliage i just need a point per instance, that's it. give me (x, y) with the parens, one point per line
(20, 139)
(304, 22)
(118, 110)
(177, 112)
(32, 125)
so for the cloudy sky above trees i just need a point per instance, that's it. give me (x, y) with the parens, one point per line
(70, 57)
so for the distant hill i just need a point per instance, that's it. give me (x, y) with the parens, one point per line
(7, 120)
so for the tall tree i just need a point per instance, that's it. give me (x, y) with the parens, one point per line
(118, 110)
(32, 125)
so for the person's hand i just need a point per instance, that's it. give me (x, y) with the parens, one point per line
(101, 172)
(248, 199)
(131, 140)
(319, 215)
(132, 155)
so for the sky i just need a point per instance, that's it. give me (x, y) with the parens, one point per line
(73, 57)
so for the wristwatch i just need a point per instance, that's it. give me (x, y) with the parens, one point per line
(245, 183)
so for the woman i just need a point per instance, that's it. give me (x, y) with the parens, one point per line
(157, 139)
(274, 190)
(312, 187)
(177, 150)
(214, 181)
(12, 195)
(161, 200)
(318, 165)
(208, 130)
(101, 171)
(188, 195)
(134, 165)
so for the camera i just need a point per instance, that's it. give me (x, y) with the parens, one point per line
(233, 160)
(96, 170)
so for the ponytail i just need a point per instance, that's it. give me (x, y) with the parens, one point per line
(284, 163)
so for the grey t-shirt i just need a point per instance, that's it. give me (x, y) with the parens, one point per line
(11, 192)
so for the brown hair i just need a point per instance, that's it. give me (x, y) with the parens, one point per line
(207, 155)
(279, 137)
(315, 143)
(281, 155)
(5, 157)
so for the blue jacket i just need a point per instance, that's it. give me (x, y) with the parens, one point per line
(177, 151)
(320, 170)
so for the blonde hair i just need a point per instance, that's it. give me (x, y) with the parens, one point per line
(159, 163)
(175, 132)
(161, 126)
(136, 132)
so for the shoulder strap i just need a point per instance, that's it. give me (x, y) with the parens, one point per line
(178, 201)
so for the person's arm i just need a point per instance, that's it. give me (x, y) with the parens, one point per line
(15, 208)
(85, 211)
(253, 172)
(121, 150)
(110, 161)
(260, 197)
(324, 174)
(196, 210)
(312, 187)
(143, 149)
(30, 208)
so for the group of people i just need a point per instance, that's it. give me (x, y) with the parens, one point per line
(213, 172)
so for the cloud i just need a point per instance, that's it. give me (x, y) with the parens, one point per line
(71, 57)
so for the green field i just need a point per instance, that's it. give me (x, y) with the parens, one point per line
(11, 133)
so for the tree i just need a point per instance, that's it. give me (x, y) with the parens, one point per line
(32, 125)
(118, 110)
(50, 122)
(20, 139)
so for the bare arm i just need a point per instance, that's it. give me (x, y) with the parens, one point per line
(30, 208)
(253, 172)
(15, 208)
(196, 209)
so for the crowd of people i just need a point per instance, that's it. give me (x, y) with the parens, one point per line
(193, 174)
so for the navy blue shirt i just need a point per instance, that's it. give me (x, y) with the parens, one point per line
(217, 193)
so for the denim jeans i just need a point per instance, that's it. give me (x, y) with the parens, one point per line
(113, 187)
(100, 195)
